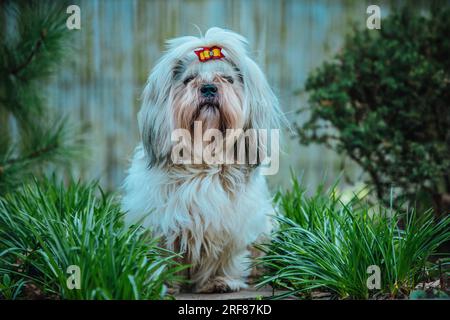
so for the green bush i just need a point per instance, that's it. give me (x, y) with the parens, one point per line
(45, 227)
(324, 244)
(384, 100)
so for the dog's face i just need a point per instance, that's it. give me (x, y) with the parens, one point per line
(210, 92)
(227, 92)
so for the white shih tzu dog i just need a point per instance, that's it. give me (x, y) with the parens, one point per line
(210, 213)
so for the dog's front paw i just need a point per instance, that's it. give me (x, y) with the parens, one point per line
(221, 285)
(215, 285)
(173, 290)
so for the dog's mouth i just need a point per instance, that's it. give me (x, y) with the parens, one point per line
(209, 113)
(209, 103)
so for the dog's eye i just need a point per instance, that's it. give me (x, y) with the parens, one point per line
(178, 69)
(229, 79)
(188, 79)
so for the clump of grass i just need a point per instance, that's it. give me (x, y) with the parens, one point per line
(45, 228)
(324, 244)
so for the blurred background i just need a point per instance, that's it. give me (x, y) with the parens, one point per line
(99, 85)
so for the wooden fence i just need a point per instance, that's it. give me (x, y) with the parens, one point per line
(120, 40)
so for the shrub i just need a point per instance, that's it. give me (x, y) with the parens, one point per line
(384, 101)
(325, 244)
(44, 228)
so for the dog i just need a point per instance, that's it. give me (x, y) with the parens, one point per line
(210, 213)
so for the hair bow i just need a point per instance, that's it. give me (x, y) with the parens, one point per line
(205, 54)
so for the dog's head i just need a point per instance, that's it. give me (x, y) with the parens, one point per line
(210, 79)
(210, 91)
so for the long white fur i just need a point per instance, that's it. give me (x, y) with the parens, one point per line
(212, 214)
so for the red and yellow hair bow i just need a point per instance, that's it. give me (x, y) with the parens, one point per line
(204, 54)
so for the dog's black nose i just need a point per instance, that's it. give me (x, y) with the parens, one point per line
(208, 90)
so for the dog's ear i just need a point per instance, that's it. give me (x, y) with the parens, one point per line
(261, 106)
(154, 118)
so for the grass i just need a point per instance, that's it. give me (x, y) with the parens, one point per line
(46, 227)
(321, 244)
(324, 244)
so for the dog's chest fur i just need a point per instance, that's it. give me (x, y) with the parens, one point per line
(201, 210)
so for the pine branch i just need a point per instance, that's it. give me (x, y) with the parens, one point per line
(36, 48)
(31, 156)
(31, 50)
(62, 144)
